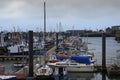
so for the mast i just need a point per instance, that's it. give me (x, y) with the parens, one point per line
(44, 36)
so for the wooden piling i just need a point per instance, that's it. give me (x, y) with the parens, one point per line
(103, 52)
(30, 53)
(56, 42)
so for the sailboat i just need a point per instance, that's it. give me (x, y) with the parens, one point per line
(44, 72)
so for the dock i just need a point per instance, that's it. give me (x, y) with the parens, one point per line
(15, 57)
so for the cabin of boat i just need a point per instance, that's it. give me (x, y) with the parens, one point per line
(80, 64)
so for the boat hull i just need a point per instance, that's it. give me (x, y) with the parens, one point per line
(80, 68)
(44, 77)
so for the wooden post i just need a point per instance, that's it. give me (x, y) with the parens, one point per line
(30, 53)
(103, 52)
(103, 76)
(56, 42)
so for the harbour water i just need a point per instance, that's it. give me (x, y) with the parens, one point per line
(95, 45)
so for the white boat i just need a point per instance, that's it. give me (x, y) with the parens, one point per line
(80, 64)
(18, 48)
(19, 64)
(44, 73)
(59, 67)
(4, 77)
(52, 58)
(44, 70)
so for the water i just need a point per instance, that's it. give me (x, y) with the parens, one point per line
(95, 45)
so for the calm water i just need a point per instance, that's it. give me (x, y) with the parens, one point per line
(95, 46)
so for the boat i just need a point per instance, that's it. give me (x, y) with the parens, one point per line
(4, 77)
(113, 71)
(59, 67)
(80, 64)
(44, 72)
(13, 76)
(19, 64)
(59, 70)
(62, 56)
(18, 49)
(52, 58)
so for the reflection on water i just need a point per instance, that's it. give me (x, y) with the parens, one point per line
(80, 76)
(90, 76)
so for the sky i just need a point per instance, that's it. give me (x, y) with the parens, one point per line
(61, 15)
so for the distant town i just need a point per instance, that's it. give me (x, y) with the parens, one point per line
(110, 32)
(113, 31)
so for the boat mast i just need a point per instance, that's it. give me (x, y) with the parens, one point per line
(44, 36)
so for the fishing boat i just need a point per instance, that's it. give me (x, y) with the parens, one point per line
(18, 49)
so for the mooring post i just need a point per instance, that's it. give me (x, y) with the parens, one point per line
(104, 76)
(103, 52)
(56, 42)
(30, 53)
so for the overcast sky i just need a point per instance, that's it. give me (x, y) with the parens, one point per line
(72, 14)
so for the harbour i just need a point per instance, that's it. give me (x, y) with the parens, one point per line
(60, 55)
(97, 75)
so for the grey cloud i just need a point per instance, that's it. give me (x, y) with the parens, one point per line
(65, 10)
(62, 8)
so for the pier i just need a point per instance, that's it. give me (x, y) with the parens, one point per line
(15, 58)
